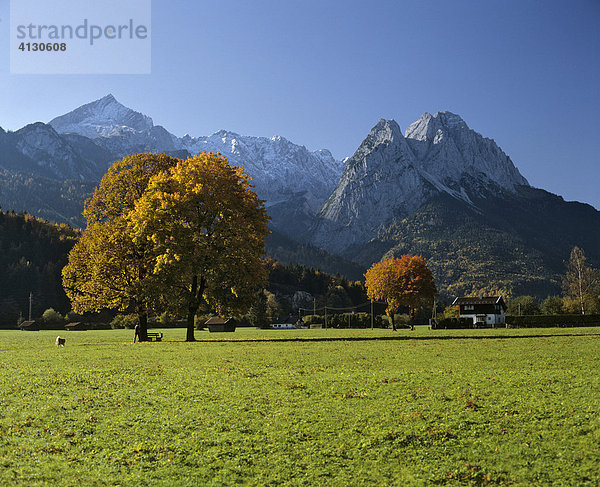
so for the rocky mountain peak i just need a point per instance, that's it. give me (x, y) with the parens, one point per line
(385, 131)
(102, 118)
(428, 126)
(391, 176)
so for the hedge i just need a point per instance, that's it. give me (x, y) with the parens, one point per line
(454, 323)
(547, 321)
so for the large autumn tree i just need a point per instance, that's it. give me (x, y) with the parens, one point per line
(404, 281)
(205, 229)
(107, 269)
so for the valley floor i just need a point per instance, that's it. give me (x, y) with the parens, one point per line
(302, 407)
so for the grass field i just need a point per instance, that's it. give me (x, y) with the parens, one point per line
(305, 407)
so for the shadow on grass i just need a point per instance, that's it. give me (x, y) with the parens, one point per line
(384, 338)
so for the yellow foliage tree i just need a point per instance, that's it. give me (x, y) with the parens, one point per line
(404, 281)
(106, 268)
(206, 230)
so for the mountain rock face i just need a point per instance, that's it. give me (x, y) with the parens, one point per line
(392, 175)
(39, 150)
(280, 169)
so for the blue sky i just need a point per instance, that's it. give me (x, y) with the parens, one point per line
(321, 73)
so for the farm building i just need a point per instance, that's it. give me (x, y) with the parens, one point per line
(218, 324)
(486, 311)
(30, 326)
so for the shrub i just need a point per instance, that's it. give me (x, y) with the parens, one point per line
(552, 305)
(52, 319)
(124, 321)
(312, 319)
(523, 305)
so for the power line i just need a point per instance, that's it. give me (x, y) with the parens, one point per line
(332, 308)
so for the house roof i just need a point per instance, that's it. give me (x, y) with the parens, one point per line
(29, 325)
(76, 324)
(480, 300)
(217, 320)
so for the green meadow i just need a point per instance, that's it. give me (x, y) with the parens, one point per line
(302, 407)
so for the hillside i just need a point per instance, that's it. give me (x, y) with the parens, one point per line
(287, 251)
(32, 255)
(511, 246)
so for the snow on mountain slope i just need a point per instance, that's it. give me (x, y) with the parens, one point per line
(102, 118)
(278, 167)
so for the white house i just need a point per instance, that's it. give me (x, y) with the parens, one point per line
(487, 311)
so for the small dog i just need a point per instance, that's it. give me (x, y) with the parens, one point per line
(60, 342)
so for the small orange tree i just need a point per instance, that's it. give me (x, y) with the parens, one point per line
(401, 282)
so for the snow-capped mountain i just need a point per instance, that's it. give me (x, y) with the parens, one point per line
(102, 118)
(279, 168)
(391, 175)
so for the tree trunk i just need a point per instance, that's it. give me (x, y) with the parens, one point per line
(391, 315)
(142, 313)
(196, 293)
(580, 282)
(190, 324)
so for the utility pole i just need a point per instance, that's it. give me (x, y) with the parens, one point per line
(30, 301)
(371, 313)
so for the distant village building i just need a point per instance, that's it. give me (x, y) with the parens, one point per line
(487, 311)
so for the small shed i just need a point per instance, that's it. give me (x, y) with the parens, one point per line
(30, 326)
(76, 326)
(485, 311)
(217, 324)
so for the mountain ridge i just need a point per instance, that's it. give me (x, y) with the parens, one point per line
(439, 188)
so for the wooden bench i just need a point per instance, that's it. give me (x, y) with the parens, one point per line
(156, 336)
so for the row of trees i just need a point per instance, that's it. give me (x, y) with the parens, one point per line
(581, 292)
(187, 236)
(170, 235)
